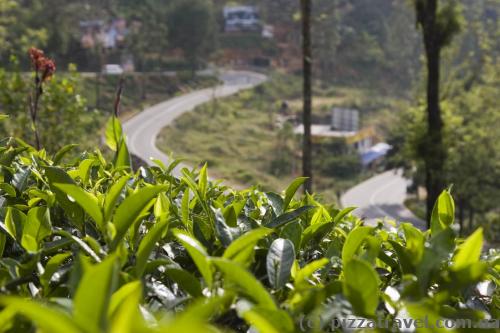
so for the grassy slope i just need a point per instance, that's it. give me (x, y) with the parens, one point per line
(235, 137)
(158, 88)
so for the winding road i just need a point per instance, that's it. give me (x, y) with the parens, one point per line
(377, 198)
(143, 129)
(381, 197)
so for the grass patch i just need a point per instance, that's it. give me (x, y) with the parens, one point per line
(140, 89)
(238, 137)
(417, 207)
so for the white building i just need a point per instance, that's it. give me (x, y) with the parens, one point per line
(241, 18)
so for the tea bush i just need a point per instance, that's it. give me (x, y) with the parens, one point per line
(91, 246)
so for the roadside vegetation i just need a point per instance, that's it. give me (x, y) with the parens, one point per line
(142, 89)
(249, 138)
(75, 108)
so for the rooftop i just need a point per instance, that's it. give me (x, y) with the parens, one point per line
(325, 131)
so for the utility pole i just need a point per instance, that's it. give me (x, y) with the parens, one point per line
(305, 6)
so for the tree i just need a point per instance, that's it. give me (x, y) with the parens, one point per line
(305, 9)
(17, 33)
(148, 35)
(475, 141)
(191, 26)
(439, 23)
(63, 116)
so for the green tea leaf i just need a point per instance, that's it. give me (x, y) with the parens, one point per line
(291, 190)
(119, 296)
(94, 292)
(443, 213)
(308, 270)
(288, 217)
(247, 240)
(279, 262)
(264, 319)
(84, 246)
(198, 253)
(353, 241)
(51, 267)
(225, 233)
(84, 169)
(59, 155)
(185, 208)
(72, 209)
(8, 189)
(3, 242)
(314, 230)
(276, 202)
(470, 251)
(203, 181)
(147, 245)
(185, 280)
(113, 133)
(415, 241)
(440, 246)
(428, 311)
(131, 208)
(196, 315)
(361, 287)
(46, 318)
(230, 215)
(125, 312)
(293, 232)
(113, 195)
(161, 206)
(321, 215)
(246, 283)
(122, 157)
(20, 179)
(86, 200)
(37, 227)
(344, 212)
(15, 221)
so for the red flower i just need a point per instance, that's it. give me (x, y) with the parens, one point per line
(37, 57)
(48, 69)
(42, 64)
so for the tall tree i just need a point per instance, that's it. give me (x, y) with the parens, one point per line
(305, 8)
(439, 23)
(17, 31)
(148, 36)
(192, 26)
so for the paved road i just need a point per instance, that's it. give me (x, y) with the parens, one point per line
(381, 197)
(143, 129)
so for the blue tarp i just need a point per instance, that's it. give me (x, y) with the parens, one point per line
(374, 153)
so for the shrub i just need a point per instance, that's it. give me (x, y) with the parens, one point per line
(90, 246)
(62, 116)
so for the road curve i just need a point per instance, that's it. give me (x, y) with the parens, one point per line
(377, 198)
(143, 129)
(381, 197)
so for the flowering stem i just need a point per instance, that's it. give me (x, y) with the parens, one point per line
(34, 109)
(44, 68)
(116, 112)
